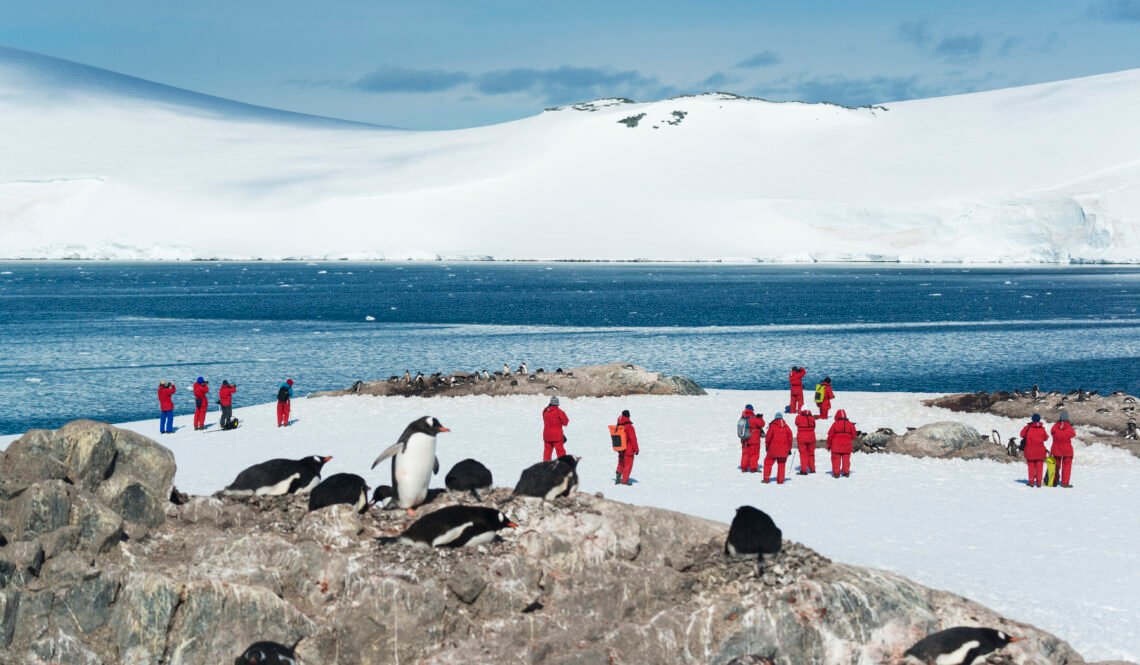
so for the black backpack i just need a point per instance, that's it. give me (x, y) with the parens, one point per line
(283, 394)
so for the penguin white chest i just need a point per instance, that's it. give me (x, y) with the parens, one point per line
(413, 470)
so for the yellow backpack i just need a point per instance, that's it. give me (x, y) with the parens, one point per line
(820, 393)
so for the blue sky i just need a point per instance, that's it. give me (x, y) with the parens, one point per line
(438, 65)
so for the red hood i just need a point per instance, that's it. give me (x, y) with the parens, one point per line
(841, 415)
(747, 413)
(805, 412)
(622, 420)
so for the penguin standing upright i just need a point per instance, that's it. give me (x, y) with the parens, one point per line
(550, 480)
(468, 476)
(267, 653)
(456, 526)
(962, 645)
(279, 476)
(413, 462)
(753, 534)
(346, 488)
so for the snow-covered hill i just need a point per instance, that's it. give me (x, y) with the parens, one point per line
(95, 164)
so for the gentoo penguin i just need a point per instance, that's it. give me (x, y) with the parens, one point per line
(340, 488)
(267, 653)
(506, 369)
(456, 526)
(753, 534)
(549, 480)
(382, 495)
(279, 476)
(468, 476)
(958, 646)
(413, 462)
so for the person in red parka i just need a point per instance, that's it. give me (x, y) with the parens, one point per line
(1035, 437)
(796, 379)
(825, 403)
(166, 390)
(553, 420)
(805, 437)
(839, 441)
(201, 402)
(625, 457)
(1062, 448)
(750, 447)
(779, 446)
(226, 400)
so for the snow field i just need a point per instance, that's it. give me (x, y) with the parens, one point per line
(1064, 560)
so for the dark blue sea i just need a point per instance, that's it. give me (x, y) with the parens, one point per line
(92, 339)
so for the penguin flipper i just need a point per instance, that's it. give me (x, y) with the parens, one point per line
(435, 467)
(388, 452)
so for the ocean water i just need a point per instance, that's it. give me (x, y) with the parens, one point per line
(83, 339)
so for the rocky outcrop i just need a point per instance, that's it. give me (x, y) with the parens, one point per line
(612, 380)
(1107, 419)
(582, 580)
(947, 440)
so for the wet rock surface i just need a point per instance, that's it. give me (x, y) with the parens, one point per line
(612, 380)
(582, 580)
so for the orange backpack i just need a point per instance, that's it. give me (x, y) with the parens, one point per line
(617, 438)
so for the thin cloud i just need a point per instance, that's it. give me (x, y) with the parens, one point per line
(915, 32)
(1127, 11)
(946, 47)
(960, 47)
(404, 79)
(861, 91)
(761, 59)
(566, 84)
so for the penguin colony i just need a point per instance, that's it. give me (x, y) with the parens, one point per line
(753, 533)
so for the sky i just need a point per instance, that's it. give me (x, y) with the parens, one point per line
(443, 65)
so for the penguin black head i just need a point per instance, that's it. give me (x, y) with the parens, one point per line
(382, 496)
(570, 460)
(428, 425)
(315, 462)
(505, 522)
(267, 653)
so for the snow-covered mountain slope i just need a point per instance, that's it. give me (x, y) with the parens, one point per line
(94, 164)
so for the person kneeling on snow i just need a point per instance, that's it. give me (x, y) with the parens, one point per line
(1035, 436)
(1062, 448)
(839, 441)
(779, 446)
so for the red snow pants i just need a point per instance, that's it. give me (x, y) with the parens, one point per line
(625, 465)
(780, 462)
(824, 407)
(200, 413)
(749, 456)
(1035, 472)
(797, 401)
(551, 447)
(807, 457)
(1064, 466)
(840, 464)
(282, 414)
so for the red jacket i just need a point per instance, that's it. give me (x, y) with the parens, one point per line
(1063, 434)
(166, 397)
(755, 427)
(841, 434)
(797, 380)
(1035, 437)
(779, 439)
(630, 436)
(200, 392)
(553, 420)
(805, 427)
(226, 394)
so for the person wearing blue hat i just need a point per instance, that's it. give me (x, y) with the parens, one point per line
(201, 402)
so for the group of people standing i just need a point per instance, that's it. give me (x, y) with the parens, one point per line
(623, 435)
(778, 443)
(1033, 438)
(167, 389)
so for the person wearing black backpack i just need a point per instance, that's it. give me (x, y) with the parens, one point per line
(284, 396)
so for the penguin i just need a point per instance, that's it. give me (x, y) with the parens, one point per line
(506, 369)
(383, 496)
(456, 526)
(340, 488)
(753, 534)
(413, 462)
(267, 653)
(279, 476)
(523, 368)
(407, 377)
(958, 646)
(469, 475)
(550, 480)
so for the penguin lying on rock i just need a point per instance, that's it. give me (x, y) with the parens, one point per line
(267, 653)
(455, 526)
(340, 488)
(413, 462)
(753, 534)
(958, 646)
(279, 476)
(550, 480)
(468, 476)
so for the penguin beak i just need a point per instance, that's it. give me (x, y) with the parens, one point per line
(326, 459)
(1013, 639)
(444, 429)
(512, 525)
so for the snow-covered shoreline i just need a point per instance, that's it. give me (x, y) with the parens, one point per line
(1063, 560)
